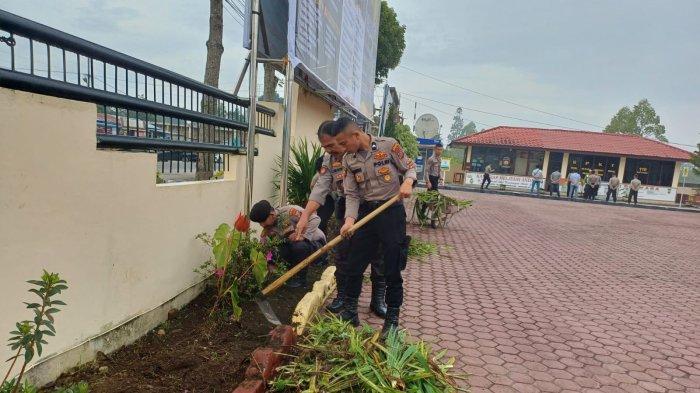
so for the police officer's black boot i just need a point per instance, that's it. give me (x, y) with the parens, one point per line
(349, 312)
(337, 304)
(391, 321)
(298, 281)
(378, 305)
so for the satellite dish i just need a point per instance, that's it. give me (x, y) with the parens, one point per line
(427, 126)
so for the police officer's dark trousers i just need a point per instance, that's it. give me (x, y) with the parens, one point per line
(388, 231)
(342, 251)
(294, 252)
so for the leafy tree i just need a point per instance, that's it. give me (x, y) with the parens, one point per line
(391, 42)
(458, 126)
(641, 120)
(407, 140)
(695, 160)
(456, 156)
(390, 126)
(470, 128)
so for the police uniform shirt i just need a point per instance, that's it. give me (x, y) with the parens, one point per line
(432, 167)
(287, 219)
(373, 175)
(330, 179)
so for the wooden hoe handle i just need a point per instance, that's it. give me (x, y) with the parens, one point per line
(294, 270)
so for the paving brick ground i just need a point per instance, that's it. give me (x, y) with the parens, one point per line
(537, 295)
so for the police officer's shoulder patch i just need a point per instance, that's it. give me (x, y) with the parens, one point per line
(398, 150)
(323, 170)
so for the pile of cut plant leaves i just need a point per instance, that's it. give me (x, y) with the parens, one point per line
(435, 208)
(335, 357)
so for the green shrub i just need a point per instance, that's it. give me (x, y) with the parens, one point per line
(301, 170)
(29, 338)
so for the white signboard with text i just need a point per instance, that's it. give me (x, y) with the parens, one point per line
(651, 193)
(512, 181)
(335, 41)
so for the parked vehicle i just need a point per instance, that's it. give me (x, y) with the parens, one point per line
(177, 156)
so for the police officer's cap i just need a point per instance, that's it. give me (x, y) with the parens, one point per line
(260, 211)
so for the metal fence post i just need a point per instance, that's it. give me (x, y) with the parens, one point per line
(252, 113)
(287, 128)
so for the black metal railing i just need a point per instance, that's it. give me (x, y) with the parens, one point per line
(140, 106)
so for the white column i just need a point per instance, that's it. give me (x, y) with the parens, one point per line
(545, 163)
(621, 169)
(564, 165)
(676, 174)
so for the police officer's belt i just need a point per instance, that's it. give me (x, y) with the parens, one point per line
(371, 205)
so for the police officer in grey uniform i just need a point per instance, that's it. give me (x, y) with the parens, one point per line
(330, 181)
(373, 168)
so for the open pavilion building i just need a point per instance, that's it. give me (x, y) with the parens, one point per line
(514, 152)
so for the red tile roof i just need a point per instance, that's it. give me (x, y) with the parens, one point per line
(575, 141)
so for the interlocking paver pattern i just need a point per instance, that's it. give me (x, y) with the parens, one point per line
(540, 295)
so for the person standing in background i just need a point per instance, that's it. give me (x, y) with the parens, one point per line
(536, 180)
(613, 184)
(574, 178)
(634, 189)
(432, 168)
(487, 176)
(554, 183)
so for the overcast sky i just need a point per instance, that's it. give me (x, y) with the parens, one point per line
(579, 60)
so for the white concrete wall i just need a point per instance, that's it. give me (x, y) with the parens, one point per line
(124, 244)
(308, 113)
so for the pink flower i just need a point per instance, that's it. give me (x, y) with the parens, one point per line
(269, 256)
(219, 272)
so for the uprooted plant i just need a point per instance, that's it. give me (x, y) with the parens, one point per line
(240, 264)
(434, 207)
(335, 357)
(419, 248)
(28, 339)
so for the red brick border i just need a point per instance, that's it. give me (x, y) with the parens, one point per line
(265, 360)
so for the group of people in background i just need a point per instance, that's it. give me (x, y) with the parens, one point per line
(590, 185)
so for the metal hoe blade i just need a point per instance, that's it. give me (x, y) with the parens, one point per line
(267, 311)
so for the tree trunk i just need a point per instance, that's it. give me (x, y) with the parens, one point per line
(215, 48)
(270, 83)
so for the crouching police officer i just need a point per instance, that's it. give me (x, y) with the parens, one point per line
(373, 166)
(330, 181)
(281, 223)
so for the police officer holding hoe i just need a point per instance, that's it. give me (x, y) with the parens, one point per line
(330, 181)
(373, 169)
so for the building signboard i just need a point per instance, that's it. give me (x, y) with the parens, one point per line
(511, 181)
(652, 193)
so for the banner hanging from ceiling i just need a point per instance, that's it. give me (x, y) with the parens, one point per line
(335, 42)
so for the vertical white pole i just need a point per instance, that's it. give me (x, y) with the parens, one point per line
(286, 129)
(382, 118)
(252, 108)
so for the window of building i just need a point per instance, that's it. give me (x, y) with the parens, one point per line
(650, 172)
(502, 160)
(604, 166)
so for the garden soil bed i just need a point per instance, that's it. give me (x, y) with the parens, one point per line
(196, 353)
